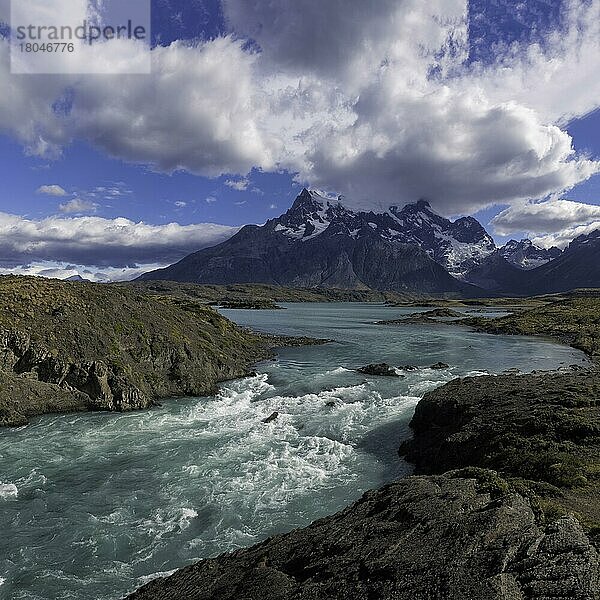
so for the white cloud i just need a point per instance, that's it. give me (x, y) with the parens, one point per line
(372, 100)
(558, 78)
(210, 199)
(208, 126)
(347, 40)
(51, 190)
(238, 184)
(58, 270)
(554, 222)
(551, 216)
(566, 236)
(78, 206)
(180, 204)
(92, 240)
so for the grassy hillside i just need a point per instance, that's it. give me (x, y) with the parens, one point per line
(257, 293)
(109, 347)
(574, 319)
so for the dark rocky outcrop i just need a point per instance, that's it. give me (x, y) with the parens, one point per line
(461, 536)
(255, 304)
(429, 316)
(439, 366)
(271, 418)
(543, 429)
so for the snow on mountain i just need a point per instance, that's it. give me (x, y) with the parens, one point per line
(459, 246)
(526, 255)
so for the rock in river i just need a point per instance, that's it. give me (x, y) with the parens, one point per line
(380, 370)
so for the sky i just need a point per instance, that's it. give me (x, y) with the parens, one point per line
(487, 108)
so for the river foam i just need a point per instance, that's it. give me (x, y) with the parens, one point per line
(8, 491)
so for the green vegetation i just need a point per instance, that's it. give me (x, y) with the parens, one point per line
(574, 319)
(257, 293)
(540, 432)
(79, 346)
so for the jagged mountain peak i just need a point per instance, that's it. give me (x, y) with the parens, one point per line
(421, 207)
(459, 246)
(586, 239)
(524, 254)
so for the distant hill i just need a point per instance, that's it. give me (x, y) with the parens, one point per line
(577, 267)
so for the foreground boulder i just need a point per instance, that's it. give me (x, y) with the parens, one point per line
(461, 536)
(542, 431)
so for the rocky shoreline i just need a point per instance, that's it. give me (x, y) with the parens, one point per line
(462, 535)
(72, 346)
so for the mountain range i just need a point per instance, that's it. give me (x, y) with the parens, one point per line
(319, 242)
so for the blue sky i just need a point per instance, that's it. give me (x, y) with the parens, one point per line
(106, 179)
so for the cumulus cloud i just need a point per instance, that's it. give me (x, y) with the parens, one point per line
(551, 216)
(51, 190)
(371, 100)
(78, 206)
(557, 77)
(348, 39)
(566, 236)
(554, 222)
(89, 240)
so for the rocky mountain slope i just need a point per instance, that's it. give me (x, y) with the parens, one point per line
(68, 346)
(496, 275)
(577, 267)
(318, 243)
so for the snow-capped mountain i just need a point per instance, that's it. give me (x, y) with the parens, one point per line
(458, 246)
(526, 255)
(320, 243)
(577, 267)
